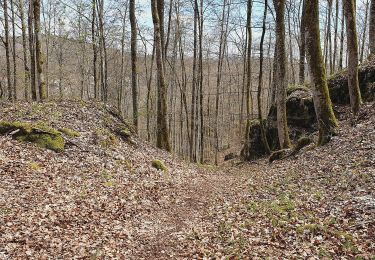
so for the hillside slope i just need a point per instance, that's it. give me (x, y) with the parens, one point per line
(101, 197)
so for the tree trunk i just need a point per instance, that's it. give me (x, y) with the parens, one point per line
(352, 43)
(94, 49)
(32, 52)
(323, 107)
(133, 24)
(335, 37)
(281, 81)
(24, 47)
(372, 28)
(302, 53)
(14, 51)
(7, 53)
(364, 33)
(248, 78)
(260, 82)
(38, 49)
(162, 139)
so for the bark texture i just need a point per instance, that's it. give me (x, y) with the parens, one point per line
(352, 42)
(281, 77)
(162, 139)
(133, 24)
(372, 28)
(323, 106)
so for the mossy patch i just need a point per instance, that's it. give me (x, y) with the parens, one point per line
(69, 132)
(159, 165)
(39, 134)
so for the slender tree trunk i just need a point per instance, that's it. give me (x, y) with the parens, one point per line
(94, 49)
(162, 140)
(7, 52)
(323, 107)
(341, 57)
(24, 48)
(38, 50)
(260, 82)
(364, 33)
(302, 53)
(352, 42)
(372, 28)
(201, 83)
(281, 82)
(133, 24)
(246, 150)
(218, 81)
(14, 50)
(32, 52)
(335, 37)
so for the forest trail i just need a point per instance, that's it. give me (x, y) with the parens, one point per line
(103, 199)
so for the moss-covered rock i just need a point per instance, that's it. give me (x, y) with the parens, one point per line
(39, 134)
(159, 165)
(299, 108)
(255, 148)
(338, 84)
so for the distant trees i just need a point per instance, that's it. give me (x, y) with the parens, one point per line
(352, 42)
(208, 67)
(323, 107)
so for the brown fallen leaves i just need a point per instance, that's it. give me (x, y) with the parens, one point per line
(107, 201)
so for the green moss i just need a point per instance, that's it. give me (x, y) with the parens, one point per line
(69, 132)
(159, 165)
(34, 166)
(105, 138)
(38, 133)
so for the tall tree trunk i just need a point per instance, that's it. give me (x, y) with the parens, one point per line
(133, 24)
(201, 83)
(281, 81)
(245, 152)
(341, 57)
(7, 52)
(14, 50)
(302, 52)
(335, 37)
(24, 48)
(162, 139)
(260, 82)
(372, 28)
(364, 33)
(32, 51)
(352, 43)
(94, 49)
(38, 49)
(323, 107)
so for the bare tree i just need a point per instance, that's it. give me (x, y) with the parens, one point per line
(133, 24)
(162, 126)
(322, 102)
(372, 28)
(352, 42)
(281, 80)
(7, 52)
(38, 50)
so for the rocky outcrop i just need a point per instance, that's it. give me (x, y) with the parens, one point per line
(338, 84)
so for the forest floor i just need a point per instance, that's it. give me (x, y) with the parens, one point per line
(101, 198)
